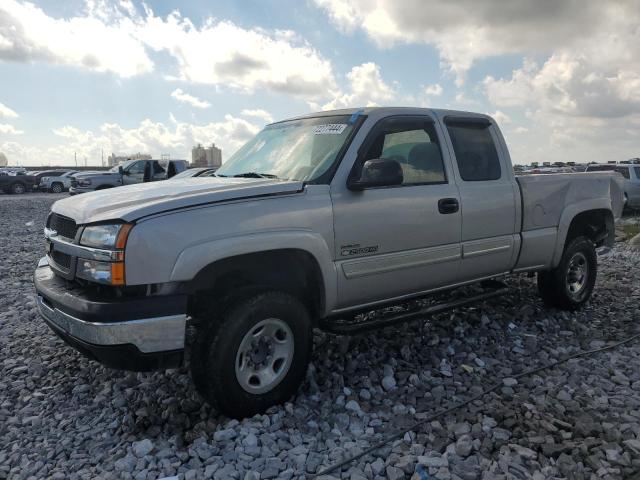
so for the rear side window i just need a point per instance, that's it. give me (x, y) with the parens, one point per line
(475, 152)
(624, 171)
(610, 168)
(637, 170)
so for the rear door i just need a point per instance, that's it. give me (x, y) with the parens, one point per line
(488, 202)
(396, 241)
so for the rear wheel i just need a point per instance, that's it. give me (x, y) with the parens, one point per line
(18, 188)
(570, 284)
(56, 188)
(255, 355)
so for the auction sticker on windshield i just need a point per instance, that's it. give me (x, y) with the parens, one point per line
(329, 129)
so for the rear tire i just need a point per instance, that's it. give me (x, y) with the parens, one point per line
(255, 355)
(570, 284)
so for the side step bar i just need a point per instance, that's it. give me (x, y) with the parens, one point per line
(347, 327)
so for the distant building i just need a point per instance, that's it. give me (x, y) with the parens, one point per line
(3, 160)
(113, 160)
(206, 156)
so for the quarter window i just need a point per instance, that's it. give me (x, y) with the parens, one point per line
(412, 143)
(475, 152)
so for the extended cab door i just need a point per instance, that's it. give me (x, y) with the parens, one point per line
(489, 197)
(396, 241)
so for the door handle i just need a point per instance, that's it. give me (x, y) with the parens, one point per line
(448, 205)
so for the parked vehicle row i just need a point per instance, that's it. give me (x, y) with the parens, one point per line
(129, 173)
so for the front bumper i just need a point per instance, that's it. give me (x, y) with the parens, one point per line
(77, 190)
(138, 334)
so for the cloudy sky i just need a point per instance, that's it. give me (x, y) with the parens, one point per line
(562, 78)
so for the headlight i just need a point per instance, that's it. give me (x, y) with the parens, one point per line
(105, 237)
(109, 273)
(110, 237)
(84, 182)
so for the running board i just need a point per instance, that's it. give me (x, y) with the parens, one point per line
(343, 327)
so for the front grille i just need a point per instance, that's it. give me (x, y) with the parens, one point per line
(65, 226)
(74, 182)
(61, 259)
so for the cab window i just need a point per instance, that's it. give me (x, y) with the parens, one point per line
(412, 143)
(475, 152)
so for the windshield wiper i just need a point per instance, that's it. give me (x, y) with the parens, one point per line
(254, 175)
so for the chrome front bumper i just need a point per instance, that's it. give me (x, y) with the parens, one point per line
(148, 335)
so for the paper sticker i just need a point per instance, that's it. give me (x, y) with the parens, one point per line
(329, 129)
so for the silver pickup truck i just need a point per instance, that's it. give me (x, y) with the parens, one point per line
(314, 223)
(129, 173)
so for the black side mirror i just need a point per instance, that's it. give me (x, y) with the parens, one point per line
(380, 172)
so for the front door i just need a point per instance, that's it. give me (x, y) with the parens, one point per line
(134, 173)
(394, 241)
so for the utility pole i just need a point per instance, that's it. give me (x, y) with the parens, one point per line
(75, 158)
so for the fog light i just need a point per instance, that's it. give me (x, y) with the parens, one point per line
(108, 273)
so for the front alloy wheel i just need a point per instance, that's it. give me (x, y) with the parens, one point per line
(264, 356)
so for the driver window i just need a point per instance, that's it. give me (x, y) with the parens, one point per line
(414, 145)
(136, 168)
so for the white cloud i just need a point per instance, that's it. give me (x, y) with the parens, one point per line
(7, 129)
(501, 117)
(434, 90)
(155, 138)
(117, 38)
(258, 113)
(184, 97)
(469, 30)
(102, 39)
(223, 53)
(366, 88)
(6, 112)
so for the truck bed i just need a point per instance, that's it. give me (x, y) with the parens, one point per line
(546, 197)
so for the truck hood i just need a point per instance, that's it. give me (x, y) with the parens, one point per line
(132, 202)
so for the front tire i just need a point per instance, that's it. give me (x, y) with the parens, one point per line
(255, 355)
(18, 188)
(570, 284)
(56, 188)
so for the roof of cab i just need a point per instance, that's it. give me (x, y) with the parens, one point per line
(385, 111)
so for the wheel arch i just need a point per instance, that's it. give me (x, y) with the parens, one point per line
(291, 270)
(593, 221)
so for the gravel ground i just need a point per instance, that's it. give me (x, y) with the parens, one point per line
(63, 416)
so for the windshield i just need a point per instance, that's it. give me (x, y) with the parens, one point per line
(295, 150)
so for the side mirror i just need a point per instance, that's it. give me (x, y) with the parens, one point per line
(380, 172)
(120, 170)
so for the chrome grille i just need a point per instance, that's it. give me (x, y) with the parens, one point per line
(64, 226)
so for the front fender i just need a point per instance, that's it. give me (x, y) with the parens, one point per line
(196, 257)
